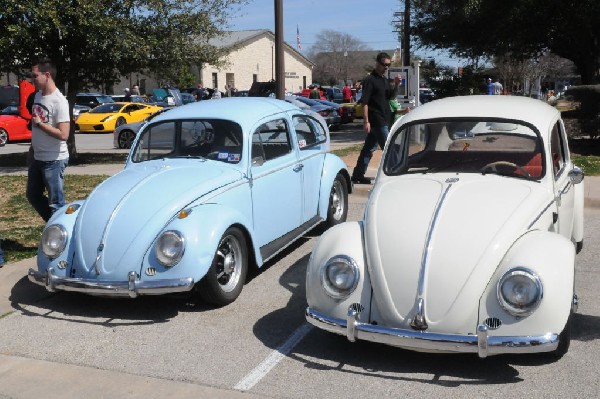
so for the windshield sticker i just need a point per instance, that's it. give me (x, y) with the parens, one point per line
(233, 158)
(223, 155)
(302, 143)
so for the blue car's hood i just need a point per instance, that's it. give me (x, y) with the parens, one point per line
(128, 210)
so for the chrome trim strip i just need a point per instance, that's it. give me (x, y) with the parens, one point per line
(132, 287)
(540, 215)
(482, 343)
(420, 300)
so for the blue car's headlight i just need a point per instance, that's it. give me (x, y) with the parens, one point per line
(339, 276)
(519, 291)
(169, 248)
(54, 240)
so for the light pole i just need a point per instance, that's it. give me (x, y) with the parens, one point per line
(345, 66)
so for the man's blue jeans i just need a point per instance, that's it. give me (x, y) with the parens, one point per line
(46, 176)
(376, 137)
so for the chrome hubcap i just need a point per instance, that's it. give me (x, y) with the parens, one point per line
(229, 263)
(337, 200)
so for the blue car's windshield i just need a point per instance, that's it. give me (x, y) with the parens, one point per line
(215, 139)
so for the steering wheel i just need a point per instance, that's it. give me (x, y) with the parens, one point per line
(492, 166)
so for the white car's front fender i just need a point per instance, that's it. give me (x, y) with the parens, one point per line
(345, 239)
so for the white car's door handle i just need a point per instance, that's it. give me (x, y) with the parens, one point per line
(298, 167)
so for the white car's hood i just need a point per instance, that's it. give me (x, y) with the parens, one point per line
(135, 204)
(446, 232)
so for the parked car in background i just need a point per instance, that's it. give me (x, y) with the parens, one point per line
(124, 135)
(346, 111)
(134, 98)
(426, 95)
(92, 99)
(468, 239)
(106, 118)
(13, 127)
(187, 98)
(79, 109)
(328, 112)
(194, 205)
(9, 95)
(333, 94)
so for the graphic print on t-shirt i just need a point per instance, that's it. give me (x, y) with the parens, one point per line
(41, 111)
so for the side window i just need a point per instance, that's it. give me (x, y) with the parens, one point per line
(557, 149)
(309, 132)
(271, 140)
(156, 142)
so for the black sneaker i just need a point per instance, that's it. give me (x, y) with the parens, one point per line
(361, 180)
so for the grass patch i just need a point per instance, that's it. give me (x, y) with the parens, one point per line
(20, 225)
(342, 152)
(590, 164)
(83, 158)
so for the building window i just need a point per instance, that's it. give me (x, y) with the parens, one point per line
(215, 81)
(254, 78)
(230, 80)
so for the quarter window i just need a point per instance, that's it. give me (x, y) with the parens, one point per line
(309, 132)
(557, 147)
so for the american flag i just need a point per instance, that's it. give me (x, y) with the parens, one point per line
(298, 45)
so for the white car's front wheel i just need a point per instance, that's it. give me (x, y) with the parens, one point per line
(225, 278)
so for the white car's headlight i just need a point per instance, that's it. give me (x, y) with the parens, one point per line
(54, 240)
(169, 248)
(339, 276)
(519, 291)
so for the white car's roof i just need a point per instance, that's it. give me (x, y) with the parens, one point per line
(244, 110)
(536, 112)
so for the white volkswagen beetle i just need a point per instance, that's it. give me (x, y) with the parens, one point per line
(468, 239)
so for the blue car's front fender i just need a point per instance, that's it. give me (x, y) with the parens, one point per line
(332, 166)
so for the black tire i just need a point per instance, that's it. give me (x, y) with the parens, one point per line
(337, 210)
(120, 121)
(225, 278)
(3, 137)
(125, 139)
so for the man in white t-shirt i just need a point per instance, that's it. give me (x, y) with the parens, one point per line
(48, 152)
(497, 87)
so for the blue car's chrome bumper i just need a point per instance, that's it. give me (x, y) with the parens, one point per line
(482, 343)
(133, 287)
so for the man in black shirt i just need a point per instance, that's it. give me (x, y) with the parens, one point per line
(376, 96)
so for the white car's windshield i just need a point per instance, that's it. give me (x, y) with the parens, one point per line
(215, 139)
(478, 146)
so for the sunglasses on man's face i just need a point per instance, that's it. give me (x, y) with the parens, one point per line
(385, 65)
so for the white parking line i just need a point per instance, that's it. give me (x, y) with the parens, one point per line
(275, 357)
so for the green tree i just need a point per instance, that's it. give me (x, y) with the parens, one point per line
(523, 28)
(95, 42)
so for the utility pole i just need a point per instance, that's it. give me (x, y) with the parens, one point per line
(279, 62)
(402, 24)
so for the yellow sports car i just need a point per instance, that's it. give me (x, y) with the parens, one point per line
(106, 117)
(358, 109)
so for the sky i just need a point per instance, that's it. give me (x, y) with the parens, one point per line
(367, 20)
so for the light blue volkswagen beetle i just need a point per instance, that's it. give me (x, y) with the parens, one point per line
(208, 189)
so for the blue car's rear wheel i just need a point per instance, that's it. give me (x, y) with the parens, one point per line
(225, 279)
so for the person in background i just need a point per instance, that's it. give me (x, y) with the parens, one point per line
(216, 94)
(127, 97)
(497, 87)
(376, 97)
(314, 93)
(135, 90)
(48, 155)
(490, 87)
(200, 92)
(347, 93)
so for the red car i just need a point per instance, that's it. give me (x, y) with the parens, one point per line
(14, 119)
(13, 127)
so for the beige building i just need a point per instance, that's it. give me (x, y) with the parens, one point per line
(251, 58)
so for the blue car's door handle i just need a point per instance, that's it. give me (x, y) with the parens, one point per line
(298, 167)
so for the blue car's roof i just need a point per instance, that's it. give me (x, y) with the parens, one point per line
(246, 111)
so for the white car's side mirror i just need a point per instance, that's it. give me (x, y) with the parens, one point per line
(576, 175)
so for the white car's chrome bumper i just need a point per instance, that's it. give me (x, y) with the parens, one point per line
(132, 288)
(482, 343)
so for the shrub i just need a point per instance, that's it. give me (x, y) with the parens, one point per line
(588, 98)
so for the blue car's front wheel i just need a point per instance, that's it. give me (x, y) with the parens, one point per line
(225, 279)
